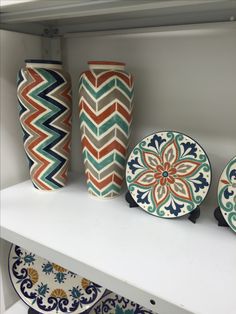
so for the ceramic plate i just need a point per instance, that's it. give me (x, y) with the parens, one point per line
(49, 288)
(112, 303)
(227, 193)
(168, 174)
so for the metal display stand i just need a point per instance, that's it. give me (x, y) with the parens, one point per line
(193, 216)
(220, 218)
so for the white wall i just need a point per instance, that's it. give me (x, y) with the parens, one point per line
(15, 48)
(185, 80)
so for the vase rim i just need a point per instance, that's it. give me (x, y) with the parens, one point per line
(43, 61)
(106, 63)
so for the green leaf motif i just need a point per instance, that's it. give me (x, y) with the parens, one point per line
(119, 310)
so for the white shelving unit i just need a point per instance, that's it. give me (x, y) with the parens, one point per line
(185, 80)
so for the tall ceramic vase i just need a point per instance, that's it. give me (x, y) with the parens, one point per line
(44, 94)
(105, 106)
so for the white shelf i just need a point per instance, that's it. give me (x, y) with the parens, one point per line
(18, 308)
(70, 16)
(174, 262)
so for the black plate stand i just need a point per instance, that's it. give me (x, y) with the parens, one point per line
(32, 311)
(220, 218)
(193, 216)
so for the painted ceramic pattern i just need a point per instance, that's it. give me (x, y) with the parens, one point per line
(49, 288)
(45, 106)
(168, 174)
(227, 193)
(105, 106)
(112, 303)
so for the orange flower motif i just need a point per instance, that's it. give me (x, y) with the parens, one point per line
(33, 274)
(59, 268)
(167, 173)
(59, 293)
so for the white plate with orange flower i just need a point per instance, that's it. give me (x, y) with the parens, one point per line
(49, 288)
(168, 174)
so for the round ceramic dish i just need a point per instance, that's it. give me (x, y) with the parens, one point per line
(227, 193)
(49, 288)
(112, 303)
(168, 174)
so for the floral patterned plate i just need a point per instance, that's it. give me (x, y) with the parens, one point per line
(168, 174)
(227, 193)
(112, 303)
(49, 288)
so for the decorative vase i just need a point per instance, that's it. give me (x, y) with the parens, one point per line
(105, 106)
(44, 94)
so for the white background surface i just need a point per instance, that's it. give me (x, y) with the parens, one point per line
(125, 249)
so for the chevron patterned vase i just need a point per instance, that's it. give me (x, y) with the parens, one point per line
(105, 107)
(44, 95)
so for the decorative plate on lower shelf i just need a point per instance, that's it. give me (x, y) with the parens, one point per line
(49, 288)
(168, 174)
(112, 303)
(227, 194)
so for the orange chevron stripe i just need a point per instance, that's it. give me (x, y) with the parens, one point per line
(113, 74)
(96, 82)
(114, 145)
(124, 113)
(89, 75)
(101, 117)
(66, 93)
(86, 144)
(66, 147)
(105, 182)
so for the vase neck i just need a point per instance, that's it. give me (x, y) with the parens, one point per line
(106, 65)
(45, 64)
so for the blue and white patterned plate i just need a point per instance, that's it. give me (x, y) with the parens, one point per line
(112, 303)
(227, 193)
(49, 288)
(168, 174)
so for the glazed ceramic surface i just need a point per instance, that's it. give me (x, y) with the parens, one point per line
(227, 193)
(112, 303)
(44, 95)
(105, 107)
(168, 174)
(50, 288)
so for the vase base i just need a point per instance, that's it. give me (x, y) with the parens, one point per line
(103, 198)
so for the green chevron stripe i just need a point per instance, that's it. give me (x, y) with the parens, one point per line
(93, 188)
(101, 91)
(116, 82)
(85, 119)
(105, 162)
(112, 187)
(123, 87)
(114, 120)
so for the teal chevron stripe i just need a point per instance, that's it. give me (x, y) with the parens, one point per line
(114, 120)
(121, 160)
(112, 187)
(128, 92)
(85, 119)
(92, 187)
(105, 162)
(101, 91)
